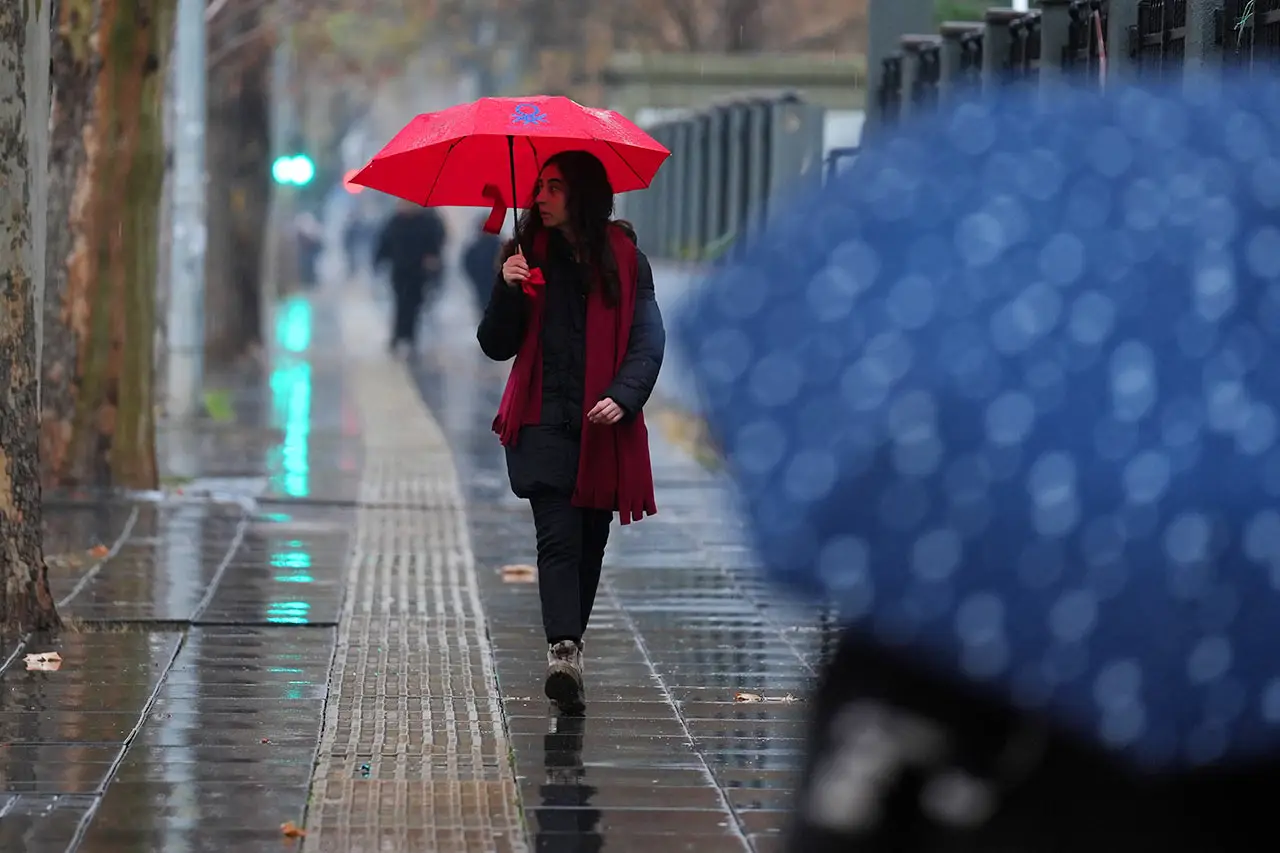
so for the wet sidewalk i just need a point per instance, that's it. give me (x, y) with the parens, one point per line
(202, 621)
(315, 632)
(669, 755)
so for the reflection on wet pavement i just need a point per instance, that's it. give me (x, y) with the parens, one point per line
(282, 565)
(665, 756)
(229, 743)
(66, 731)
(187, 714)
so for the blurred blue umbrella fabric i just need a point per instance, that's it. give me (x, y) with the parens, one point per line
(1006, 390)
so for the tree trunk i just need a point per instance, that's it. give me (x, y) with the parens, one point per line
(99, 427)
(25, 601)
(74, 70)
(239, 154)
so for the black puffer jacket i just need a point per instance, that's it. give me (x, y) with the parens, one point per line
(546, 457)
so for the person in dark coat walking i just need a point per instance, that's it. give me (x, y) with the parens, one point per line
(480, 260)
(411, 243)
(574, 304)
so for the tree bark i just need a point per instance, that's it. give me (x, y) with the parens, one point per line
(25, 601)
(74, 68)
(99, 426)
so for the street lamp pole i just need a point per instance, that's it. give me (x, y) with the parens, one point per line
(185, 374)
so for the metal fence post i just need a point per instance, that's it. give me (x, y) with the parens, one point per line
(1122, 18)
(737, 201)
(717, 173)
(952, 53)
(997, 46)
(795, 151)
(683, 177)
(888, 93)
(759, 136)
(1055, 40)
(887, 22)
(961, 55)
(694, 236)
(662, 187)
(1024, 54)
(677, 206)
(1201, 52)
(921, 71)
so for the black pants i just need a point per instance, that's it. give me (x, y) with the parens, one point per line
(408, 295)
(571, 544)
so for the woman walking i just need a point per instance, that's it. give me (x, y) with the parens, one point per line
(575, 306)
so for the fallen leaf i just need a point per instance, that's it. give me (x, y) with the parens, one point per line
(756, 697)
(99, 551)
(218, 405)
(519, 573)
(43, 662)
(292, 830)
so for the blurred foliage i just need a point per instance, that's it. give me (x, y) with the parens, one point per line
(962, 10)
(370, 39)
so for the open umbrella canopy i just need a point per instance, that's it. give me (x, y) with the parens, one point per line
(462, 155)
(1006, 390)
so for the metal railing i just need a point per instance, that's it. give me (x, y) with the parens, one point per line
(1087, 40)
(728, 164)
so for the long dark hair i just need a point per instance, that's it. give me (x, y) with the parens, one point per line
(589, 205)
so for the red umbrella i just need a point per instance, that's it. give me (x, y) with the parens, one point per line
(463, 155)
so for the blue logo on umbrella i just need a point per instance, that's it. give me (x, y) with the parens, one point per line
(528, 114)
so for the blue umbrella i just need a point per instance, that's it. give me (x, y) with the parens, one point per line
(1007, 391)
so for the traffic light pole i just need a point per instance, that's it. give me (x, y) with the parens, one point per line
(185, 374)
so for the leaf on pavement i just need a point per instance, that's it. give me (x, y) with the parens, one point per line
(519, 573)
(43, 662)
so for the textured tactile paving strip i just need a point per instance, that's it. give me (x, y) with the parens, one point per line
(413, 754)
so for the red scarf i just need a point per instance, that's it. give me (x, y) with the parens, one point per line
(614, 471)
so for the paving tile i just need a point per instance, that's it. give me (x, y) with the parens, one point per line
(41, 822)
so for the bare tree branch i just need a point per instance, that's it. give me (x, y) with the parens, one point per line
(828, 33)
(684, 14)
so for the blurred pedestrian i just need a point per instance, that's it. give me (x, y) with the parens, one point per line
(574, 304)
(310, 233)
(412, 244)
(481, 262)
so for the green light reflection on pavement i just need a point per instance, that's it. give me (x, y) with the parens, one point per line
(288, 612)
(291, 385)
(293, 329)
(291, 559)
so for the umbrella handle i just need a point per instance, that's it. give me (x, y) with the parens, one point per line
(515, 205)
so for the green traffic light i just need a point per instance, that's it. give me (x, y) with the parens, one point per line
(296, 169)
